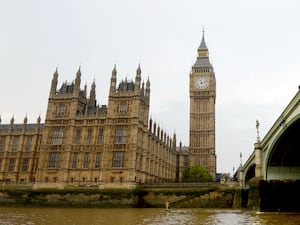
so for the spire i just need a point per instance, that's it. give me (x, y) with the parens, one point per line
(114, 72)
(76, 89)
(148, 88)
(202, 44)
(25, 119)
(203, 55)
(54, 83)
(12, 120)
(39, 119)
(143, 89)
(93, 94)
(78, 74)
(138, 71)
(138, 79)
(113, 80)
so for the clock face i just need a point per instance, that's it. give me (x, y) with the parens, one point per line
(201, 83)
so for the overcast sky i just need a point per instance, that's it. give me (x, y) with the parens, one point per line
(254, 48)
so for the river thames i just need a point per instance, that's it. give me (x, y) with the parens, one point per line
(92, 216)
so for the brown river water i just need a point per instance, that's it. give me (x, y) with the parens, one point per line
(87, 216)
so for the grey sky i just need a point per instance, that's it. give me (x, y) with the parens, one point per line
(254, 48)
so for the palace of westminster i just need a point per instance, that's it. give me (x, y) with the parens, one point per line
(113, 145)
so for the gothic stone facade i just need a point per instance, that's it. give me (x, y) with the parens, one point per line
(82, 143)
(202, 111)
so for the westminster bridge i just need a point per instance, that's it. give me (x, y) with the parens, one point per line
(272, 172)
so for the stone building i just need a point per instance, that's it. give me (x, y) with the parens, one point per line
(113, 145)
(202, 112)
(82, 143)
(19, 150)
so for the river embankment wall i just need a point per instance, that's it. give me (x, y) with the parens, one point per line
(214, 196)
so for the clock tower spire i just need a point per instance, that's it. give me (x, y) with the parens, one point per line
(202, 111)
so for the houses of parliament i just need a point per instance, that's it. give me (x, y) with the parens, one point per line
(113, 145)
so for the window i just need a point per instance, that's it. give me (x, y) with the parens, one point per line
(75, 159)
(120, 135)
(15, 143)
(77, 138)
(61, 109)
(86, 160)
(89, 136)
(100, 136)
(25, 164)
(2, 143)
(98, 159)
(54, 158)
(58, 134)
(28, 144)
(185, 160)
(0, 163)
(11, 165)
(123, 107)
(118, 159)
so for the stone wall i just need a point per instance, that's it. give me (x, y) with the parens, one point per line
(147, 197)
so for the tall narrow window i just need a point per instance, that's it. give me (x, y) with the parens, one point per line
(28, 143)
(75, 159)
(54, 159)
(98, 159)
(11, 165)
(15, 143)
(185, 160)
(61, 109)
(118, 159)
(2, 143)
(120, 137)
(100, 136)
(57, 137)
(25, 164)
(0, 163)
(123, 107)
(86, 160)
(78, 135)
(89, 136)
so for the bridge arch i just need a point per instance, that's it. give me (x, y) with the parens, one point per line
(249, 174)
(282, 160)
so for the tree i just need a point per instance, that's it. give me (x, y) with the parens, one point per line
(196, 174)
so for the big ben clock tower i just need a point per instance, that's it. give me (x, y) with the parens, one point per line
(202, 112)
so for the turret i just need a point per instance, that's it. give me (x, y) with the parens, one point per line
(77, 83)
(150, 123)
(143, 90)
(113, 80)
(12, 120)
(92, 100)
(174, 141)
(25, 123)
(147, 92)
(138, 79)
(54, 83)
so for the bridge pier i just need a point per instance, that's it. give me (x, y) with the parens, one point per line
(274, 195)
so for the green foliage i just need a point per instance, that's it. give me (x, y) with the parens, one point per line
(196, 174)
